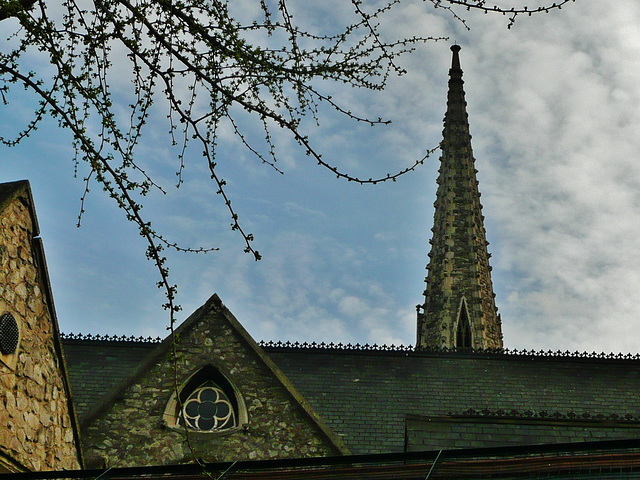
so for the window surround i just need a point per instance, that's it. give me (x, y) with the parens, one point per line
(463, 327)
(204, 377)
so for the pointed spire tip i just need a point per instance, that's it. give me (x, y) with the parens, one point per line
(455, 61)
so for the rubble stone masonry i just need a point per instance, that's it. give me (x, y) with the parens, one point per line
(37, 431)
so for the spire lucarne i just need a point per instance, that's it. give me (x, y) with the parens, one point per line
(459, 309)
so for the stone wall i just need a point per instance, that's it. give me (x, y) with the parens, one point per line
(36, 429)
(131, 430)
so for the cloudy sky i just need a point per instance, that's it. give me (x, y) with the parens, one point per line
(554, 108)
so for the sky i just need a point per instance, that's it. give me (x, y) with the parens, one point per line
(554, 110)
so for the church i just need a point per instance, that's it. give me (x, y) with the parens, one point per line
(458, 404)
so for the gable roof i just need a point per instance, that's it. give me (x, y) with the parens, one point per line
(385, 400)
(366, 395)
(131, 371)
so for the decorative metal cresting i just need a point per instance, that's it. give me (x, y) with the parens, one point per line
(109, 338)
(9, 334)
(430, 350)
(380, 348)
(546, 415)
(336, 346)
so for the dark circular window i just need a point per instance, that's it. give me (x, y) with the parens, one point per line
(9, 334)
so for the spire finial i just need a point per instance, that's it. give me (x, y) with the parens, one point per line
(455, 61)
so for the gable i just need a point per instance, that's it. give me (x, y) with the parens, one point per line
(138, 424)
(35, 402)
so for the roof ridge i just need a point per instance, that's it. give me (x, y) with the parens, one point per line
(374, 347)
(109, 338)
(511, 352)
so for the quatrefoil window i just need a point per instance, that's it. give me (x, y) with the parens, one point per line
(208, 408)
(206, 402)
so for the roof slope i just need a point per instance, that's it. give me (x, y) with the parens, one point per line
(96, 367)
(373, 400)
(365, 396)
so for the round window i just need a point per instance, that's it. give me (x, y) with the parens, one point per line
(9, 334)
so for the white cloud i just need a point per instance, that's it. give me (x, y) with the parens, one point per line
(554, 109)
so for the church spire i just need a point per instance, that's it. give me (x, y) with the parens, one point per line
(459, 309)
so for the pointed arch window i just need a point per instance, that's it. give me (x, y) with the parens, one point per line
(207, 403)
(463, 332)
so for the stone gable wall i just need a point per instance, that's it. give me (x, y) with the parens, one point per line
(132, 431)
(36, 431)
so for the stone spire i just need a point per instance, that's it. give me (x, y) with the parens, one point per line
(459, 308)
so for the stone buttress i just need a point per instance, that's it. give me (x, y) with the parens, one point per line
(459, 309)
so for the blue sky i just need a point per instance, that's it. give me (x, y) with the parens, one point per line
(554, 108)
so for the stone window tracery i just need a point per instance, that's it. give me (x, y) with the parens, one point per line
(208, 408)
(206, 402)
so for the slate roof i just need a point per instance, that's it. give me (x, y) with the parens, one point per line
(374, 400)
(96, 367)
(366, 395)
